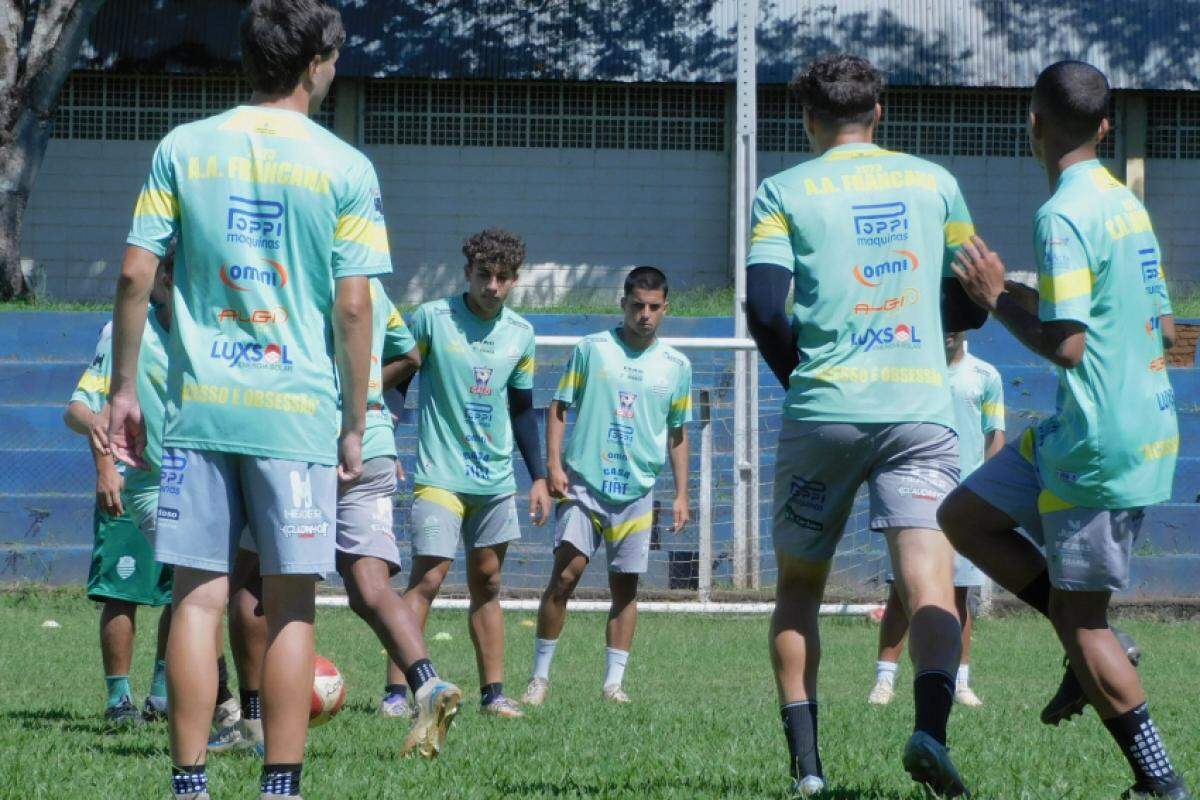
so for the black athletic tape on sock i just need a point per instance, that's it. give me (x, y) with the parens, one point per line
(419, 673)
(281, 779)
(800, 728)
(933, 695)
(1138, 738)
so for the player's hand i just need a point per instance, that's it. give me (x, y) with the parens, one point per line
(127, 429)
(682, 516)
(401, 476)
(539, 502)
(109, 484)
(350, 465)
(98, 433)
(557, 480)
(980, 271)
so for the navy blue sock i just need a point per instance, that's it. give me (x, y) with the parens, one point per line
(188, 780)
(1138, 738)
(251, 704)
(933, 693)
(281, 779)
(419, 673)
(491, 693)
(800, 728)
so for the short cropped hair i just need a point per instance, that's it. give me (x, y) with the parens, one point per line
(1074, 97)
(840, 88)
(648, 278)
(495, 247)
(280, 38)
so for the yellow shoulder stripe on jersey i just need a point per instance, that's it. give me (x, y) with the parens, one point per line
(992, 409)
(629, 527)
(91, 382)
(682, 404)
(1065, 285)
(770, 226)
(957, 233)
(1049, 502)
(265, 123)
(360, 230)
(850, 155)
(156, 203)
(441, 497)
(526, 364)
(1104, 180)
(572, 380)
(395, 320)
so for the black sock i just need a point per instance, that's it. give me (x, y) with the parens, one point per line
(800, 728)
(281, 779)
(251, 704)
(396, 688)
(223, 692)
(418, 673)
(189, 780)
(1138, 738)
(1037, 594)
(491, 693)
(933, 693)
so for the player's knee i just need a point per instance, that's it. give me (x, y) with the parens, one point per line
(484, 586)
(1070, 612)
(563, 585)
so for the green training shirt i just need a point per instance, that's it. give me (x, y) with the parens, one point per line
(978, 396)
(390, 339)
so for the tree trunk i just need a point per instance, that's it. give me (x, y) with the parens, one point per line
(20, 161)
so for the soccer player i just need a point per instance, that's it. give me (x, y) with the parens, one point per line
(864, 234)
(477, 362)
(280, 226)
(632, 396)
(979, 420)
(1079, 481)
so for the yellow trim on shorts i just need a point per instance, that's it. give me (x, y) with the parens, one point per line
(441, 497)
(629, 527)
(1027, 445)
(1049, 502)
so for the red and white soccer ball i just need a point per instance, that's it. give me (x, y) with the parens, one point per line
(328, 692)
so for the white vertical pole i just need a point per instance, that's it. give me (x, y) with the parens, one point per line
(705, 499)
(745, 466)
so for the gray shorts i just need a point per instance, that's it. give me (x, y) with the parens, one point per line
(966, 574)
(1087, 549)
(585, 520)
(909, 467)
(207, 497)
(440, 517)
(364, 514)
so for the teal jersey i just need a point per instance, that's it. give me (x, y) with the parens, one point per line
(868, 236)
(625, 400)
(390, 339)
(1113, 440)
(464, 434)
(270, 209)
(978, 396)
(93, 388)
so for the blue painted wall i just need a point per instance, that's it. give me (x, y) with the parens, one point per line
(46, 476)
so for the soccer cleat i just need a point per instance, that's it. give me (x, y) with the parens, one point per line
(613, 693)
(1069, 700)
(241, 735)
(395, 705)
(123, 715)
(809, 786)
(965, 695)
(154, 709)
(1174, 791)
(882, 693)
(227, 714)
(929, 764)
(437, 704)
(502, 707)
(535, 692)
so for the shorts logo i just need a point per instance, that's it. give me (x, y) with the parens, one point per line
(920, 493)
(888, 338)
(381, 517)
(1067, 477)
(257, 223)
(431, 527)
(908, 297)
(482, 376)
(171, 514)
(126, 566)
(259, 316)
(252, 355)
(803, 522)
(872, 274)
(171, 478)
(237, 276)
(302, 501)
(878, 224)
(806, 494)
(625, 409)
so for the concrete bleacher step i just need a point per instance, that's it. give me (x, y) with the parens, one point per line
(38, 427)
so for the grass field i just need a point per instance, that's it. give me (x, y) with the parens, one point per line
(704, 722)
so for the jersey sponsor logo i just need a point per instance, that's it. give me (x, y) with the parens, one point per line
(1160, 449)
(1152, 275)
(620, 434)
(634, 374)
(909, 297)
(482, 376)
(614, 455)
(626, 401)
(879, 224)
(872, 274)
(476, 465)
(254, 223)
(889, 338)
(259, 316)
(171, 474)
(252, 355)
(1165, 400)
(614, 488)
(240, 277)
(478, 414)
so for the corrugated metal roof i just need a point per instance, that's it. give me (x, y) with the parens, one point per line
(1148, 44)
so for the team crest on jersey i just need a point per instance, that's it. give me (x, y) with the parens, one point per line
(626, 407)
(482, 376)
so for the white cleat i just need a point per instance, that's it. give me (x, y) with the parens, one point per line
(964, 695)
(535, 692)
(437, 704)
(882, 693)
(504, 708)
(613, 693)
(809, 786)
(395, 705)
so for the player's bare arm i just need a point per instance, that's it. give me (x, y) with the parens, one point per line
(677, 445)
(1166, 324)
(981, 272)
(126, 428)
(400, 371)
(993, 443)
(352, 343)
(556, 423)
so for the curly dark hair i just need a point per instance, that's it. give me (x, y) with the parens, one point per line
(495, 247)
(840, 88)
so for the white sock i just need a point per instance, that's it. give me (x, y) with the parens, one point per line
(964, 674)
(614, 665)
(543, 654)
(886, 671)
